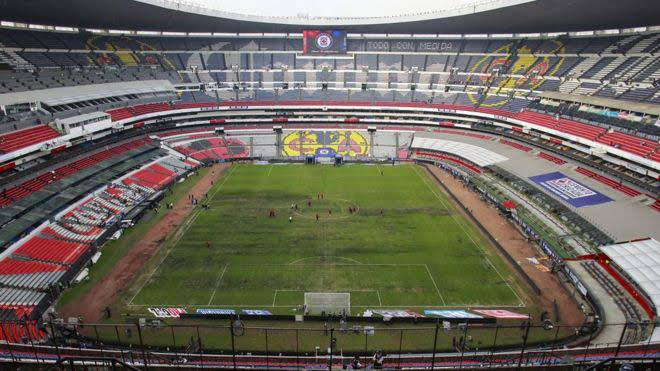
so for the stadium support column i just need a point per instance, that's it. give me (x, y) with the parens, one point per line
(278, 140)
(396, 145)
(372, 135)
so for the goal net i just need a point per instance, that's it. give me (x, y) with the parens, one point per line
(316, 303)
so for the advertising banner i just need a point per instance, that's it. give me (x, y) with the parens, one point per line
(569, 190)
(393, 313)
(501, 313)
(256, 312)
(166, 312)
(451, 314)
(215, 311)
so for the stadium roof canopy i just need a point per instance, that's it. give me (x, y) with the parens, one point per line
(482, 17)
(640, 260)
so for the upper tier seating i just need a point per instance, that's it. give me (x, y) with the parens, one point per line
(26, 137)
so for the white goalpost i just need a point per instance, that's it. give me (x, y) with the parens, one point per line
(317, 303)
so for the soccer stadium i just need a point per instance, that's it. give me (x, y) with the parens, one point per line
(311, 185)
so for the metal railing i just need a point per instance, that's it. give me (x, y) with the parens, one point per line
(227, 343)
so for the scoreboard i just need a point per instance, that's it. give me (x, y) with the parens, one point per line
(317, 42)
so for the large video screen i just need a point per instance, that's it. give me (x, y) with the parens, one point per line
(318, 42)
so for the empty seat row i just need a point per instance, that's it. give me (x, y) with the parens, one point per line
(26, 137)
(515, 145)
(608, 182)
(551, 158)
(52, 250)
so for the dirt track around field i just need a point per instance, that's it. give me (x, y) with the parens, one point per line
(106, 292)
(514, 243)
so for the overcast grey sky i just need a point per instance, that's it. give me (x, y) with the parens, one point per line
(331, 8)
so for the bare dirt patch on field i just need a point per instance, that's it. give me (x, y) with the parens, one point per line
(105, 293)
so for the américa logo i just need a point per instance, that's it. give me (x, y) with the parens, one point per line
(532, 69)
(325, 143)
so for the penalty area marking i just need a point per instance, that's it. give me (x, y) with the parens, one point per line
(434, 284)
(269, 170)
(319, 256)
(522, 303)
(218, 283)
(179, 234)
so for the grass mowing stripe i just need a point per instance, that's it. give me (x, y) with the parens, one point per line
(522, 303)
(218, 283)
(383, 253)
(178, 235)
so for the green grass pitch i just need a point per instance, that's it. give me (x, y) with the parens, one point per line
(405, 246)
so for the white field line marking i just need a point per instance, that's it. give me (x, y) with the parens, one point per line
(274, 298)
(380, 302)
(180, 232)
(471, 306)
(322, 264)
(269, 170)
(522, 303)
(218, 283)
(434, 284)
(312, 257)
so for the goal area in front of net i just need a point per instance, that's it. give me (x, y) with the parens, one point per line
(318, 303)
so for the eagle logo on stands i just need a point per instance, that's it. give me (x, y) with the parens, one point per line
(324, 40)
(529, 70)
(122, 47)
(103, 60)
(216, 148)
(325, 143)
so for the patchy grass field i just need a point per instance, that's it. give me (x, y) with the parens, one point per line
(404, 246)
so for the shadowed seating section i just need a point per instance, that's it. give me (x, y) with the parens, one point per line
(26, 188)
(21, 332)
(214, 148)
(455, 160)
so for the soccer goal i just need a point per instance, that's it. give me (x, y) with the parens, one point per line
(316, 303)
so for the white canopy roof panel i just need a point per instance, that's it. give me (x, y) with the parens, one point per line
(641, 261)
